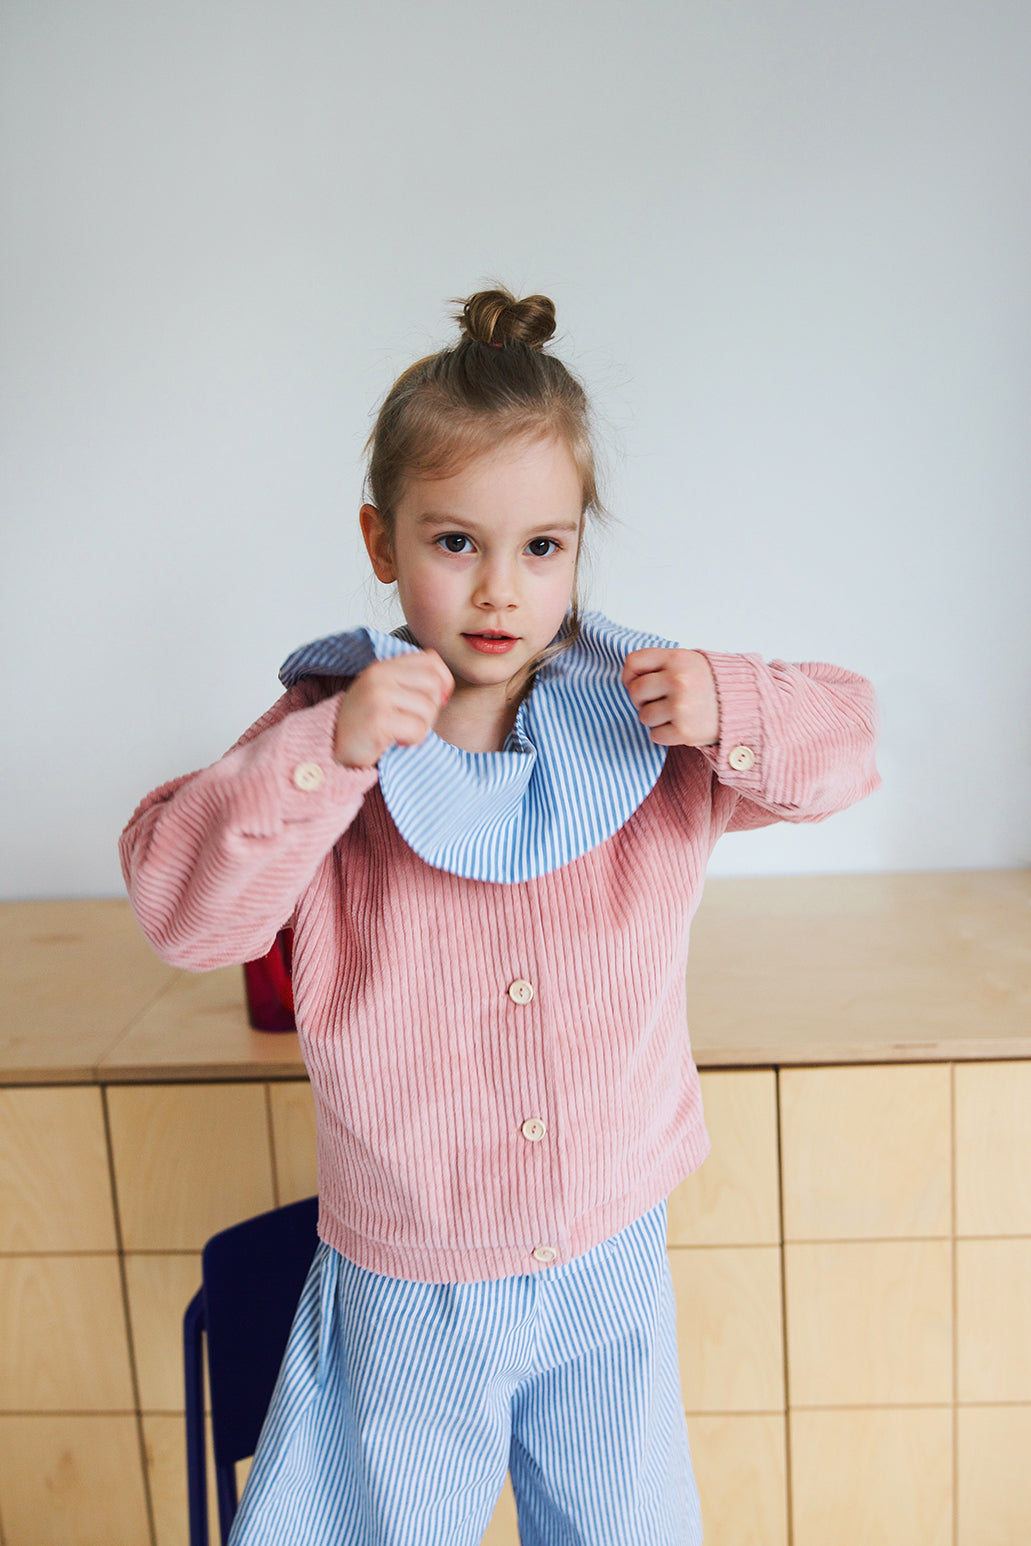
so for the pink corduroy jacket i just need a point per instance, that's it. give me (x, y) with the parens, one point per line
(502, 1071)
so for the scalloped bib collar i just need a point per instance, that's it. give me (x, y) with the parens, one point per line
(575, 766)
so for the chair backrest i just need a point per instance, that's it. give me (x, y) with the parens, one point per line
(253, 1274)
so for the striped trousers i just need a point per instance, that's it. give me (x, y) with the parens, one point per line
(401, 1405)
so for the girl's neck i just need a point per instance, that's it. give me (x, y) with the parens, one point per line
(475, 726)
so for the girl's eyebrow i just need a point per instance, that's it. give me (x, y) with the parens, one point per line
(443, 518)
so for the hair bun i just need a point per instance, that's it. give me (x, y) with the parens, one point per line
(496, 317)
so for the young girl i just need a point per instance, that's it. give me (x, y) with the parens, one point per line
(489, 831)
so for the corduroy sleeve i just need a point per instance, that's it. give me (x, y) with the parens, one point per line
(215, 862)
(797, 742)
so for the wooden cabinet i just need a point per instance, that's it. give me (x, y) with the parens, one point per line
(852, 1264)
(873, 1475)
(189, 1160)
(875, 1348)
(55, 1185)
(724, 1245)
(73, 1477)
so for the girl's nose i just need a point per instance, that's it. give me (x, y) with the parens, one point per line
(495, 586)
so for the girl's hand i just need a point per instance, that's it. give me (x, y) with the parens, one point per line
(674, 693)
(391, 703)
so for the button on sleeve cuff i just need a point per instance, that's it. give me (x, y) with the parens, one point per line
(797, 741)
(216, 862)
(309, 779)
(737, 757)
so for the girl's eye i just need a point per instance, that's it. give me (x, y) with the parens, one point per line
(542, 547)
(453, 542)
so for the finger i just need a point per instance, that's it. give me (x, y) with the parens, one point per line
(648, 688)
(421, 701)
(409, 729)
(657, 713)
(640, 661)
(447, 680)
(429, 661)
(392, 706)
(424, 672)
(666, 735)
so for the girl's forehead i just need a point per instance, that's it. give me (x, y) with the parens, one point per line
(541, 471)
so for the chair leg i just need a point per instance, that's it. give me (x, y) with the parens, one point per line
(225, 1482)
(196, 1467)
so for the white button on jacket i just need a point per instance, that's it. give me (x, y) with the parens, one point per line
(520, 991)
(309, 777)
(741, 758)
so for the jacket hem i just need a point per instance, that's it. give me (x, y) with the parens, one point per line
(487, 1261)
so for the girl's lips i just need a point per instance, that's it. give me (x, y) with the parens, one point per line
(489, 645)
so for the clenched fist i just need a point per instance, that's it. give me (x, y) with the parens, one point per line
(391, 703)
(674, 693)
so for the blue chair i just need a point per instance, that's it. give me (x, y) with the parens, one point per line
(252, 1277)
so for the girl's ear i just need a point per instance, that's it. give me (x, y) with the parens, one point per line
(377, 541)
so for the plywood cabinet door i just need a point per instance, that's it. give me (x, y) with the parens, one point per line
(189, 1159)
(55, 1186)
(872, 1477)
(73, 1480)
(733, 1198)
(993, 1149)
(866, 1153)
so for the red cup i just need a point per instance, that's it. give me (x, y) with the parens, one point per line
(270, 989)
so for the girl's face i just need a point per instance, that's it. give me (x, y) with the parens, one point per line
(485, 560)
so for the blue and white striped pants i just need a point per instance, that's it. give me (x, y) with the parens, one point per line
(401, 1405)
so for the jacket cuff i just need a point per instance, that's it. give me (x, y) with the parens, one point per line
(296, 777)
(737, 757)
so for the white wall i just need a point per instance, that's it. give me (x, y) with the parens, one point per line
(789, 249)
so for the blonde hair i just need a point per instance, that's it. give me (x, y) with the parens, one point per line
(495, 384)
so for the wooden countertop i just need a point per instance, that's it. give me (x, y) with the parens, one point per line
(784, 970)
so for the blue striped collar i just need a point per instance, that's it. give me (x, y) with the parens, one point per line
(575, 766)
